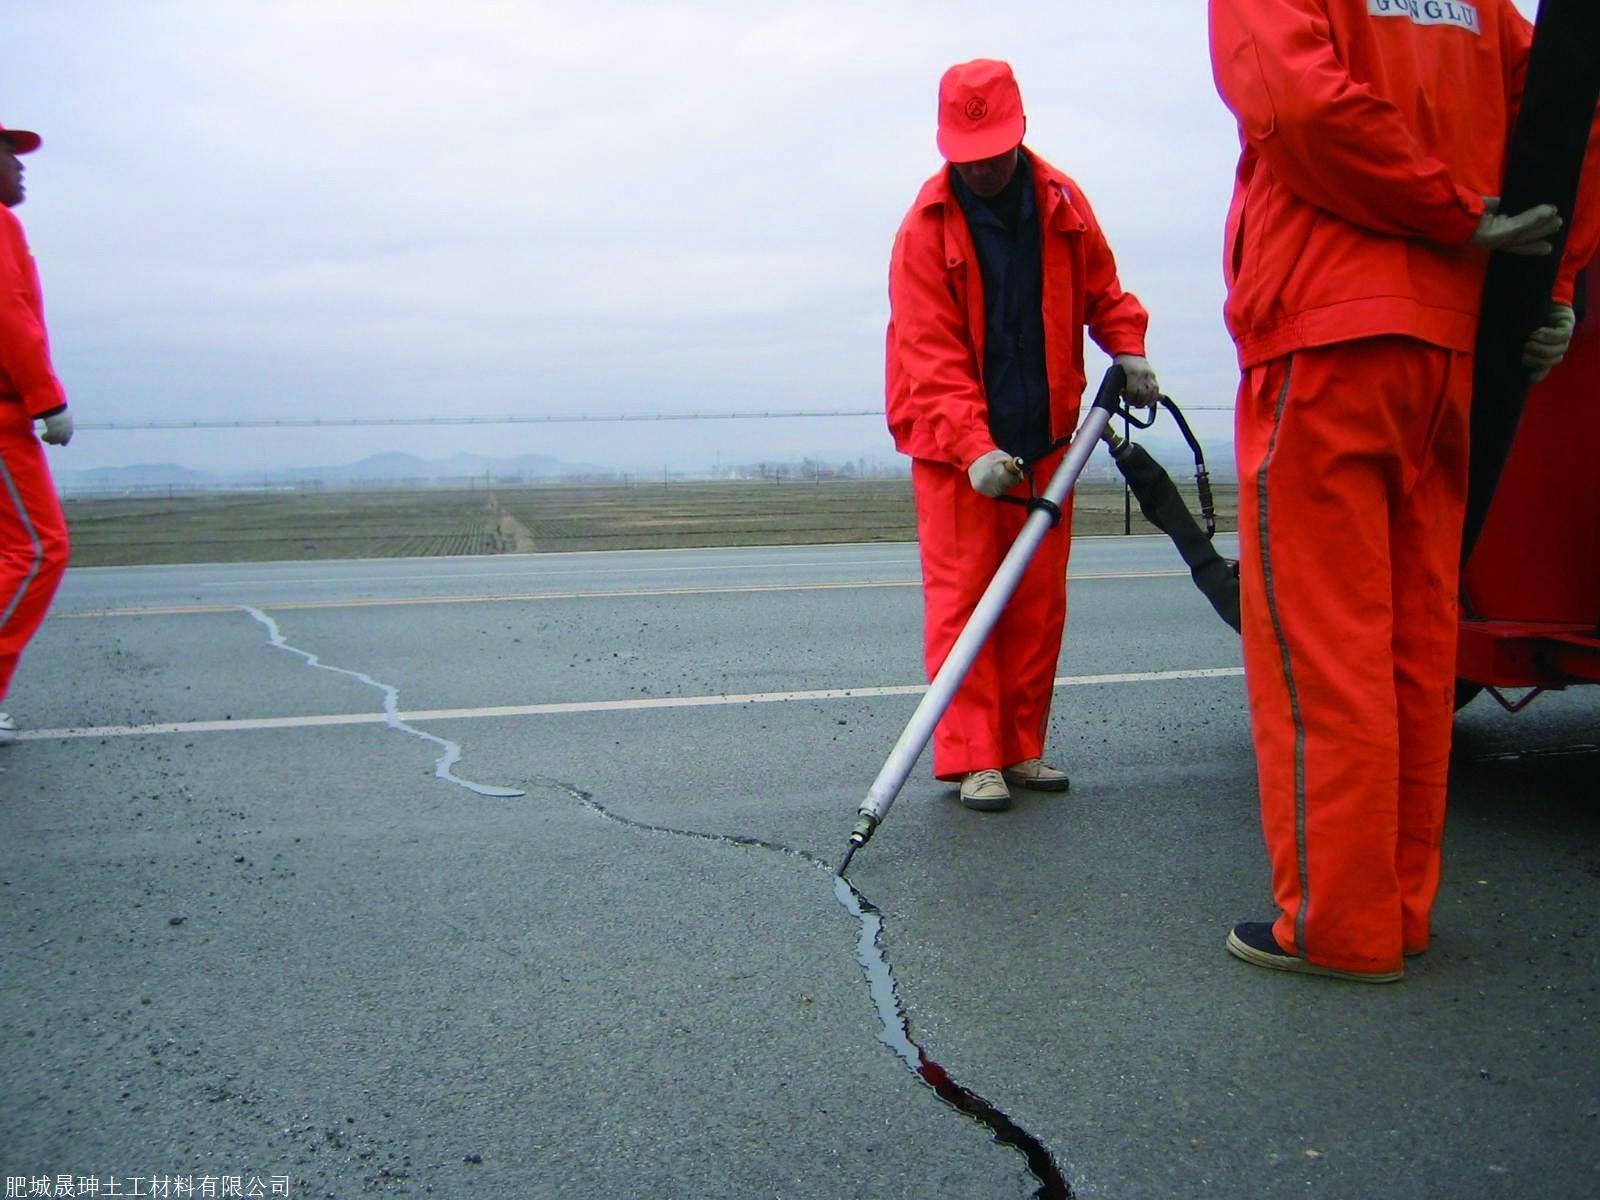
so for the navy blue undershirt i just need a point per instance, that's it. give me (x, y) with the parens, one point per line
(1005, 231)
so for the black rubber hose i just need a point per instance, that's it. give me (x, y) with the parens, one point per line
(1163, 507)
(1543, 163)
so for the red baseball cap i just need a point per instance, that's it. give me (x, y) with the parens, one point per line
(23, 141)
(980, 111)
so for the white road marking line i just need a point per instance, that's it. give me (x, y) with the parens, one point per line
(557, 555)
(183, 610)
(582, 706)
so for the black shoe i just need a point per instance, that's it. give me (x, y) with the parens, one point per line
(1253, 942)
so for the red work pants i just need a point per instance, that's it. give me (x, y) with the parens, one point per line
(33, 536)
(1352, 482)
(999, 714)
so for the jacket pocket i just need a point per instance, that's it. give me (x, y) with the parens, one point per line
(1252, 102)
(1234, 232)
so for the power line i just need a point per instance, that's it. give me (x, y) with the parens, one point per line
(557, 419)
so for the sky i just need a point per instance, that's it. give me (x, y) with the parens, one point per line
(360, 209)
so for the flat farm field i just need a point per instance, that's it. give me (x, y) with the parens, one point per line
(368, 523)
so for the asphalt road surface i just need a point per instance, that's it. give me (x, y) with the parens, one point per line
(257, 920)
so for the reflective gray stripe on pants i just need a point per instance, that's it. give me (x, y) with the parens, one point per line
(33, 536)
(1288, 667)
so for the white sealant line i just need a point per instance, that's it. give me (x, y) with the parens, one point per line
(398, 720)
(391, 712)
(187, 610)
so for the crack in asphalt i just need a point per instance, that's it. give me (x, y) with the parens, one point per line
(442, 767)
(872, 957)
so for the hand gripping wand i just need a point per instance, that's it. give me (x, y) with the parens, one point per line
(1045, 515)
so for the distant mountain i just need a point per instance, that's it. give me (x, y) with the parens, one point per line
(139, 477)
(397, 466)
(403, 469)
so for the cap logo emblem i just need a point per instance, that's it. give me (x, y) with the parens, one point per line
(977, 108)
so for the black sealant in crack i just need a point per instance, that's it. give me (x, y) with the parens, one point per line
(896, 1034)
(391, 712)
(896, 1026)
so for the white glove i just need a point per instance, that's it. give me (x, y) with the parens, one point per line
(1547, 345)
(1527, 233)
(1141, 388)
(995, 474)
(57, 428)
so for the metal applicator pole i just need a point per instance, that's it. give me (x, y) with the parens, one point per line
(942, 690)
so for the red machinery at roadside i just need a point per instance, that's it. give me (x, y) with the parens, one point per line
(1531, 588)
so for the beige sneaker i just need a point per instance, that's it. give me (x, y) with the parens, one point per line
(1036, 774)
(985, 791)
(8, 729)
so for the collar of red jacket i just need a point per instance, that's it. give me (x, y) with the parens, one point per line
(1056, 188)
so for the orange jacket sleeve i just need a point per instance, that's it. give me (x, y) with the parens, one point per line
(24, 349)
(942, 387)
(1115, 318)
(1331, 140)
(1583, 238)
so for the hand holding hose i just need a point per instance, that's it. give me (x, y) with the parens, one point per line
(1547, 345)
(1142, 388)
(1527, 233)
(994, 474)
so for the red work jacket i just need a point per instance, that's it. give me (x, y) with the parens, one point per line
(934, 376)
(1370, 131)
(25, 372)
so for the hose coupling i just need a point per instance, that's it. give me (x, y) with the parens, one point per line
(866, 826)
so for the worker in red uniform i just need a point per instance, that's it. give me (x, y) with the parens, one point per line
(996, 271)
(1372, 132)
(33, 532)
